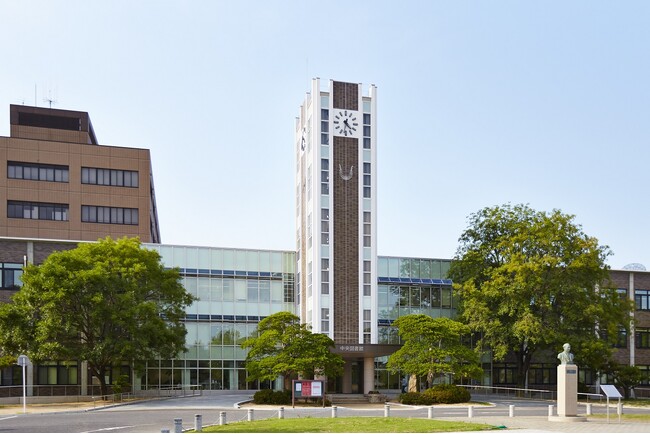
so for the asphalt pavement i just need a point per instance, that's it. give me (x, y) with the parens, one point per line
(155, 416)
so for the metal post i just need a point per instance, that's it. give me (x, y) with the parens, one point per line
(334, 408)
(511, 410)
(178, 425)
(281, 413)
(470, 411)
(430, 412)
(250, 415)
(386, 410)
(24, 392)
(222, 418)
(550, 410)
(619, 410)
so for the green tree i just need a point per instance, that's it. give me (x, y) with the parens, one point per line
(433, 347)
(284, 346)
(530, 281)
(105, 303)
(626, 377)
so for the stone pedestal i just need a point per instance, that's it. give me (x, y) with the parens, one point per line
(567, 395)
(567, 390)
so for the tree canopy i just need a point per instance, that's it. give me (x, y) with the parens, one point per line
(433, 347)
(530, 280)
(284, 346)
(106, 303)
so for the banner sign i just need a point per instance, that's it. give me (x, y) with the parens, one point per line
(308, 388)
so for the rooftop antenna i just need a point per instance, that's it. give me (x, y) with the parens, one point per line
(50, 99)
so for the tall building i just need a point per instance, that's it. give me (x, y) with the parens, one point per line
(336, 220)
(60, 183)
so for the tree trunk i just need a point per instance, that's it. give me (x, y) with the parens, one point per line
(99, 374)
(523, 365)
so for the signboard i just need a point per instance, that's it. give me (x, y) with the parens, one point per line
(307, 389)
(610, 391)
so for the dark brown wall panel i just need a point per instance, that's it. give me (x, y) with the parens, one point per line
(346, 240)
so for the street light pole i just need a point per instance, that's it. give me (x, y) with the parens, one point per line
(23, 361)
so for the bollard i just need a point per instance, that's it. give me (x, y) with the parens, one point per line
(281, 413)
(430, 413)
(470, 411)
(386, 410)
(334, 408)
(588, 409)
(222, 418)
(511, 410)
(619, 408)
(250, 414)
(198, 423)
(550, 410)
(178, 425)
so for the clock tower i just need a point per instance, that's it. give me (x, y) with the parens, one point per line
(336, 208)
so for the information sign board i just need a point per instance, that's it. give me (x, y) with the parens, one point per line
(610, 391)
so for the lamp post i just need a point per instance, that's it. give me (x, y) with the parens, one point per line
(23, 361)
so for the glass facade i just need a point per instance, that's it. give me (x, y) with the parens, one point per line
(235, 289)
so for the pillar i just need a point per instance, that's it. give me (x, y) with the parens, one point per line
(347, 377)
(84, 378)
(368, 374)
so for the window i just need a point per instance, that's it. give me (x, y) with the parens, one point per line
(37, 210)
(324, 176)
(110, 215)
(324, 126)
(367, 278)
(367, 326)
(643, 338)
(325, 276)
(366, 131)
(505, 374)
(324, 226)
(543, 374)
(37, 172)
(366, 180)
(324, 320)
(112, 177)
(642, 299)
(367, 235)
(11, 275)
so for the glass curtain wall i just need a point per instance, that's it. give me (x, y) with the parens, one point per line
(235, 289)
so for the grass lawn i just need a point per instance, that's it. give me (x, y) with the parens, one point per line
(347, 424)
(624, 417)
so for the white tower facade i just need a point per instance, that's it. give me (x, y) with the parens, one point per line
(336, 214)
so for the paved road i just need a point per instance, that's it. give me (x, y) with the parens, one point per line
(153, 416)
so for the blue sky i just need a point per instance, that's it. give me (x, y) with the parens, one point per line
(480, 103)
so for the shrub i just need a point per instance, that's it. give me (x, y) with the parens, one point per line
(415, 398)
(273, 397)
(448, 394)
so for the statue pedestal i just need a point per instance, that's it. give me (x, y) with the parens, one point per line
(567, 395)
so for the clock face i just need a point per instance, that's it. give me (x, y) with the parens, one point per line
(346, 123)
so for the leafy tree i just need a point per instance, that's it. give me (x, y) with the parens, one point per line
(104, 303)
(626, 377)
(284, 346)
(530, 280)
(433, 347)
